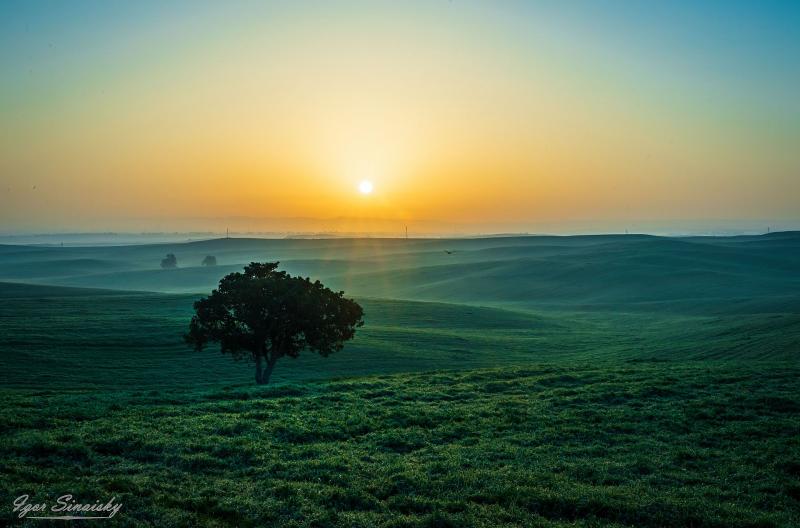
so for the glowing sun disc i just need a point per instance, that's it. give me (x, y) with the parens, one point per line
(365, 187)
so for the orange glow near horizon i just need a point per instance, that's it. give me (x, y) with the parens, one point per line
(465, 118)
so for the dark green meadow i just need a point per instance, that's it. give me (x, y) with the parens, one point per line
(713, 445)
(528, 381)
(107, 340)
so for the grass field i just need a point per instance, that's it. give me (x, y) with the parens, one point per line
(704, 445)
(105, 339)
(527, 381)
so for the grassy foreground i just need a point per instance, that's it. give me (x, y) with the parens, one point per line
(703, 444)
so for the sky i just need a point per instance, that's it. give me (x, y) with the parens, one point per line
(466, 117)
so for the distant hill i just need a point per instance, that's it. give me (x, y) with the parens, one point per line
(611, 272)
(12, 290)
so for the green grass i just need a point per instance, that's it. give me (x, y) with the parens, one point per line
(661, 445)
(617, 381)
(54, 337)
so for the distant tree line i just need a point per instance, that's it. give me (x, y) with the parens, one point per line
(171, 261)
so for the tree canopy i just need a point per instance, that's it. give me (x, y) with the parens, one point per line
(169, 262)
(264, 314)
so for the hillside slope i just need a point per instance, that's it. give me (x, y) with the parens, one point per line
(58, 337)
(611, 272)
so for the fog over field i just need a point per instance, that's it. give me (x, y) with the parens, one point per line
(429, 303)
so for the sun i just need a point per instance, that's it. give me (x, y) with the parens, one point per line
(365, 187)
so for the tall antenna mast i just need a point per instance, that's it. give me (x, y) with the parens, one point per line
(406, 232)
(227, 232)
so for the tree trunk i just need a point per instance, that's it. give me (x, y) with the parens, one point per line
(263, 374)
(268, 371)
(259, 372)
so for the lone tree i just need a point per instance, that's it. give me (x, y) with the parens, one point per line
(170, 261)
(264, 314)
(210, 260)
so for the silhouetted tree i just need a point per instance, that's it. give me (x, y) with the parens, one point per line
(210, 260)
(169, 261)
(264, 314)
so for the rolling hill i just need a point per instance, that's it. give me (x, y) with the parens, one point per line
(591, 381)
(609, 272)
